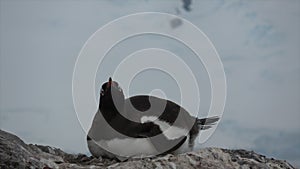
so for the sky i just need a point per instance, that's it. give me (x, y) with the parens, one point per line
(258, 43)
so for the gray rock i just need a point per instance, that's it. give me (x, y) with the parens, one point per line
(14, 153)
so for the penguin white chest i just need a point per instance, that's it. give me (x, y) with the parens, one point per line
(126, 147)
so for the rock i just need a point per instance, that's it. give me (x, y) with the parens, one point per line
(14, 153)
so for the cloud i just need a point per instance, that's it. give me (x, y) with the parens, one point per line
(283, 145)
(264, 36)
(187, 4)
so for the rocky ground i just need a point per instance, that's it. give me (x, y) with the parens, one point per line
(14, 153)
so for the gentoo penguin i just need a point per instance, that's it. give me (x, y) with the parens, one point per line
(141, 125)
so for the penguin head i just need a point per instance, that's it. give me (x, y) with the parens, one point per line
(111, 95)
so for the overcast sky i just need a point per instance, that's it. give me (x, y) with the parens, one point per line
(258, 43)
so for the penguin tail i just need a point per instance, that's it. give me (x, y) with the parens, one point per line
(201, 124)
(207, 123)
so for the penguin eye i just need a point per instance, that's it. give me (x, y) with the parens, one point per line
(102, 92)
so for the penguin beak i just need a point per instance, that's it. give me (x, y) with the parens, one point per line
(109, 82)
